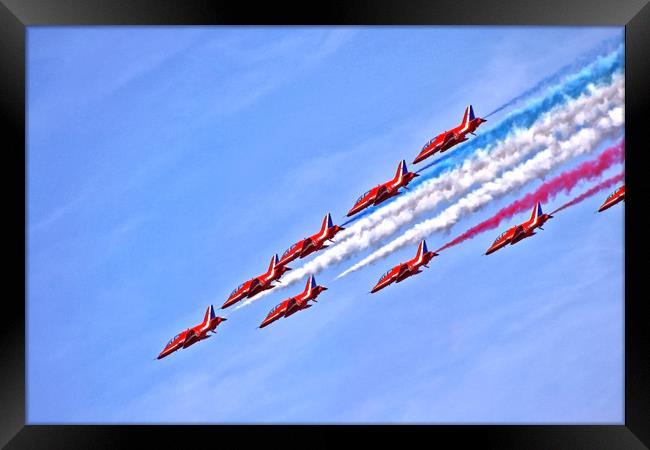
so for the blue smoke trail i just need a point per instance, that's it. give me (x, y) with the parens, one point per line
(604, 47)
(598, 72)
(364, 213)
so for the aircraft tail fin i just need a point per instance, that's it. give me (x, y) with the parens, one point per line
(209, 314)
(273, 263)
(327, 223)
(537, 211)
(401, 171)
(468, 116)
(311, 284)
(422, 249)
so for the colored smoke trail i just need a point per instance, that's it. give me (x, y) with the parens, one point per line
(564, 182)
(560, 124)
(608, 183)
(589, 117)
(585, 99)
(598, 72)
(604, 47)
(558, 151)
(602, 71)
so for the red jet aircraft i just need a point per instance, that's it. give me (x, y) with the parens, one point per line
(256, 285)
(312, 243)
(294, 304)
(519, 232)
(384, 191)
(194, 334)
(614, 198)
(402, 271)
(448, 139)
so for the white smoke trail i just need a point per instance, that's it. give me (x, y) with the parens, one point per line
(483, 166)
(486, 164)
(600, 128)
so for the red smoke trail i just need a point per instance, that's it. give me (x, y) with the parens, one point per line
(562, 183)
(599, 187)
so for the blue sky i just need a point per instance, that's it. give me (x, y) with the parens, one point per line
(166, 165)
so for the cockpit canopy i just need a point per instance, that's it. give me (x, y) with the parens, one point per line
(500, 236)
(429, 143)
(275, 308)
(363, 195)
(236, 289)
(287, 251)
(614, 194)
(385, 275)
(172, 340)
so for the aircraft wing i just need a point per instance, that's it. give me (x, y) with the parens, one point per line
(448, 137)
(189, 336)
(517, 232)
(291, 304)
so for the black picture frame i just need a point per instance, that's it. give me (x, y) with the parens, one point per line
(16, 15)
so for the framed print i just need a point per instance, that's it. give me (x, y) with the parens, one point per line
(387, 218)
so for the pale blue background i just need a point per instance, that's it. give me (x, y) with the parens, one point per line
(166, 166)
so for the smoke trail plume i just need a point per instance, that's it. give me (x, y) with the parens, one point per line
(558, 151)
(604, 71)
(608, 183)
(559, 124)
(599, 72)
(590, 96)
(564, 182)
(603, 48)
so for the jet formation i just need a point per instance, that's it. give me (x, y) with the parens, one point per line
(318, 241)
